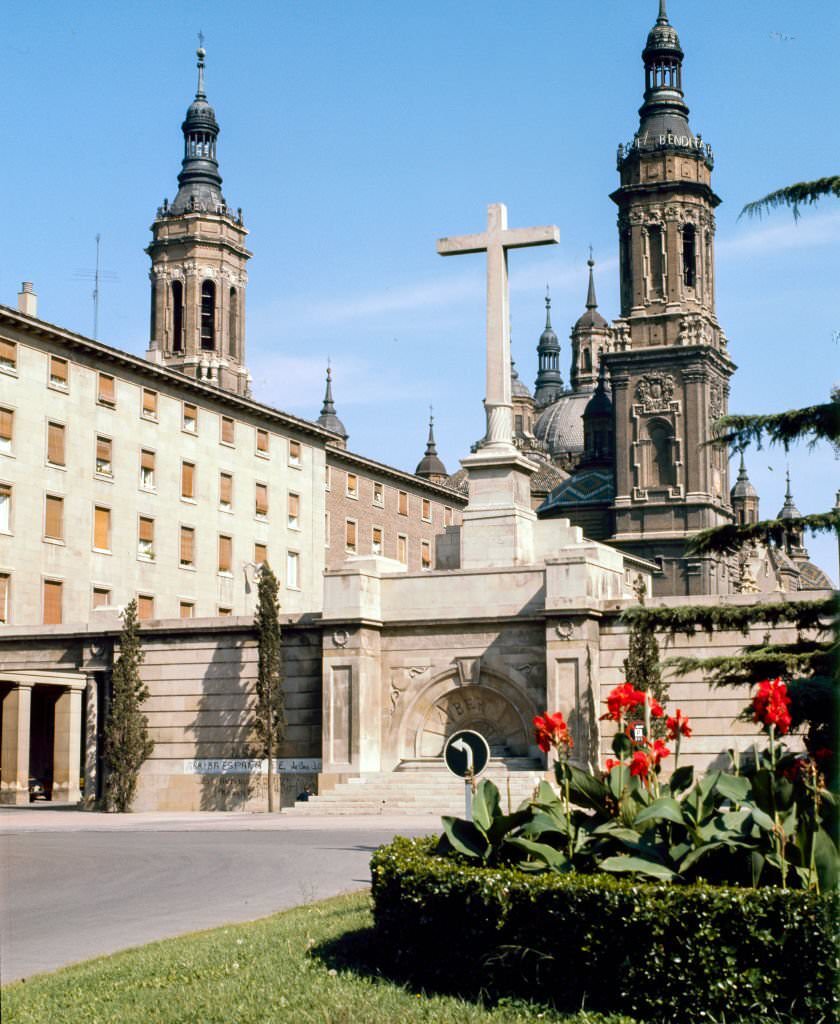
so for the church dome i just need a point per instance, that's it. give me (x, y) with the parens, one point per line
(591, 318)
(518, 388)
(430, 466)
(560, 425)
(743, 487)
(594, 486)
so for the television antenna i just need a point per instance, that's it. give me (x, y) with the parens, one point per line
(97, 275)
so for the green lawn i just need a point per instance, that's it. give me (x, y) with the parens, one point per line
(312, 965)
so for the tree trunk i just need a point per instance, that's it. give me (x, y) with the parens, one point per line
(270, 765)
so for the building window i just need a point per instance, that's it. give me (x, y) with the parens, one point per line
(228, 428)
(426, 510)
(8, 355)
(425, 555)
(376, 540)
(294, 512)
(352, 485)
(107, 393)
(402, 549)
(225, 611)
(189, 421)
(262, 441)
(7, 430)
(149, 409)
(101, 528)
(186, 609)
(226, 491)
(260, 554)
(689, 256)
(662, 471)
(655, 261)
(188, 480)
(350, 536)
(146, 538)
(327, 478)
(292, 570)
(378, 494)
(177, 316)
(187, 546)
(56, 455)
(326, 529)
(147, 469)
(101, 597)
(54, 518)
(225, 554)
(5, 595)
(5, 508)
(261, 501)
(145, 607)
(104, 465)
(52, 602)
(402, 503)
(59, 373)
(447, 515)
(208, 315)
(233, 321)
(294, 453)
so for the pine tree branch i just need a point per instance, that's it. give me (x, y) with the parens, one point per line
(766, 662)
(732, 537)
(688, 619)
(805, 193)
(814, 423)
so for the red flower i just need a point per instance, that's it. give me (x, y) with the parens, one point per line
(770, 705)
(612, 763)
(677, 725)
(660, 751)
(640, 764)
(552, 731)
(656, 709)
(622, 697)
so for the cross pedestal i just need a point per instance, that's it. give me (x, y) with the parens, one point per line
(498, 522)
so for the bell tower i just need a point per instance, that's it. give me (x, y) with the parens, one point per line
(669, 367)
(198, 255)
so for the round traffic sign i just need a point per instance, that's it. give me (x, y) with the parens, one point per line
(466, 751)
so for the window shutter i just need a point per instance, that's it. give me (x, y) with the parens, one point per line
(4, 597)
(190, 418)
(351, 534)
(54, 526)
(147, 529)
(262, 440)
(55, 444)
(102, 528)
(147, 459)
(262, 500)
(58, 371)
(187, 480)
(145, 606)
(103, 449)
(227, 430)
(260, 553)
(294, 453)
(8, 352)
(149, 402)
(187, 534)
(7, 419)
(101, 597)
(226, 489)
(294, 506)
(106, 389)
(225, 554)
(52, 602)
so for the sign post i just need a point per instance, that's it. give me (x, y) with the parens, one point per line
(466, 754)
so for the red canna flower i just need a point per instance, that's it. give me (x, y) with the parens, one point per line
(660, 751)
(640, 764)
(677, 725)
(552, 731)
(612, 763)
(656, 709)
(622, 697)
(770, 705)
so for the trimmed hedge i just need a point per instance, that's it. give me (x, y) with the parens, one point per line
(662, 953)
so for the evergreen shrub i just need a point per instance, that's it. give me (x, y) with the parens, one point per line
(659, 952)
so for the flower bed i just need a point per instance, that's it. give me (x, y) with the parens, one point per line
(663, 953)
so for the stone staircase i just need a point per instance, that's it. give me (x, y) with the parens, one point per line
(420, 788)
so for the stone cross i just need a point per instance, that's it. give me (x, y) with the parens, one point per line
(496, 241)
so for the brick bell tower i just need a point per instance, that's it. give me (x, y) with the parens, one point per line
(669, 366)
(198, 264)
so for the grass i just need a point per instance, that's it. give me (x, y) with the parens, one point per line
(313, 965)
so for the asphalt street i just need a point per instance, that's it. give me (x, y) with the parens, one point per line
(69, 893)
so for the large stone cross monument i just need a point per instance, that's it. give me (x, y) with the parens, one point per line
(498, 522)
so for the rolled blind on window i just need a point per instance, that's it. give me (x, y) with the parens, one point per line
(103, 449)
(106, 389)
(260, 553)
(7, 419)
(377, 535)
(147, 459)
(294, 506)
(187, 538)
(55, 444)
(145, 606)
(54, 526)
(8, 352)
(187, 480)
(101, 597)
(102, 528)
(226, 489)
(351, 534)
(262, 440)
(52, 602)
(262, 500)
(146, 530)
(225, 554)
(4, 597)
(149, 402)
(227, 430)
(190, 417)
(58, 370)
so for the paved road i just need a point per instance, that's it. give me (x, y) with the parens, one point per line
(75, 886)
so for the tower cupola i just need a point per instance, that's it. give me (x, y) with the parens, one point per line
(590, 337)
(430, 466)
(598, 423)
(664, 111)
(199, 183)
(549, 383)
(329, 419)
(744, 497)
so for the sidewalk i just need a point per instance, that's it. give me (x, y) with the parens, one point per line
(70, 819)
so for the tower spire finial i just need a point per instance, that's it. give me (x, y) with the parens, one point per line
(591, 300)
(200, 53)
(663, 14)
(547, 306)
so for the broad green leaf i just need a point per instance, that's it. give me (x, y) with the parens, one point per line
(546, 796)
(553, 859)
(486, 804)
(637, 865)
(466, 837)
(682, 778)
(764, 791)
(733, 787)
(618, 780)
(663, 809)
(708, 783)
(545, 821)
(504, 823)
(621, 746)
(760, 818)
(826, 861)
(587, 791)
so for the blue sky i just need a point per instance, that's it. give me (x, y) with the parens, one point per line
(355, 134)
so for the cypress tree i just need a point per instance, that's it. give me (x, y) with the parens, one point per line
(127, 742)
(641, 666)
(270, 722)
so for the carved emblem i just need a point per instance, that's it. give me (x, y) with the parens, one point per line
(469, 670)
(716, 400)
(340, 637)
(565, 629)
(655, 392)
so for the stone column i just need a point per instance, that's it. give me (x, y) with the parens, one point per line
(91, 739)
(67, 746)
(14, 770)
